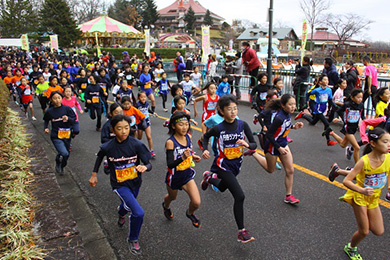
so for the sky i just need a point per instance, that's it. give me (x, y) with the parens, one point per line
(289, 13)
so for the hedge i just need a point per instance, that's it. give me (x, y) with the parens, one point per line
(4, 98)
(165, 53)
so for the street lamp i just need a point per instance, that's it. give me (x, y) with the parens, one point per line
(269, 58)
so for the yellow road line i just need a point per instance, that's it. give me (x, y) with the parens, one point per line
(307, 171)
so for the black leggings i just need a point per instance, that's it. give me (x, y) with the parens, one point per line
(317, 117)
(164, 99)
(227, 180)
(96, 112)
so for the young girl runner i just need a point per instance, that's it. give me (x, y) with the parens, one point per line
(93, 95)
(143, 106)
(382, 98)
(180, 106)
(145, 81)
(180, 175)
(338, 100)
(227, 164)
(26, 96)
(125, 154)
(62, 119)
(371, 173)
(163, 88)
(71, 101)
(323, 96)
(53, 86)
(276, 145)
(353, 111)
(107, 134)
(259, 93)
(42, 86)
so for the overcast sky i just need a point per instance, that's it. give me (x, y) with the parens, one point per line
(289, 12)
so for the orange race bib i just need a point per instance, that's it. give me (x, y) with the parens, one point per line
(184, 165)
(83, 85)
(63, 133)
(36, 82)
(125, 172)
(147, 86)
(233, 152)
(95, 99)
(104, 88)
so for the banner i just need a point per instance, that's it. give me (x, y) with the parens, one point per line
(24, 41)
(205, 43)
(304, 39)
(99, 52)
(54, 42)
(147, 42)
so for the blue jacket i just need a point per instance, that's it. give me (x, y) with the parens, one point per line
(223, 89)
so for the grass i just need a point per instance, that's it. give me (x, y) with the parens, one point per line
(17, 240)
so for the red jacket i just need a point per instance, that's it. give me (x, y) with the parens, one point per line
(249, 55)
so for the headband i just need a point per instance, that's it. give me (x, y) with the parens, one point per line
(181, 119)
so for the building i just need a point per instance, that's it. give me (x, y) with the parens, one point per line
(286, 37)
(323, 39)
(173, 15)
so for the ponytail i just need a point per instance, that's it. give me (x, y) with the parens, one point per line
(276, 104)
(373, 135)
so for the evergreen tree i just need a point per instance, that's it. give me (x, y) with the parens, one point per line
(57, 17)
(126, 12)
(149, 14)
(208, 20)
(17, 17)
(190, 18)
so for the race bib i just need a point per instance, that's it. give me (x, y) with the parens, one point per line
(158, 75)
(375, 181)
(125, 172)
(63, 133)
(225, 89)
(184, 165)
(83, 85)
(103, 87)
(95, 99)
(353, 116)
(233, 152)
(128, 77)
(211, 105)
(323, 98)
(187, 88)
(147, 86)
(27, 92)
(36, 82)
(164, 87)
(263, 95)
(17, 83)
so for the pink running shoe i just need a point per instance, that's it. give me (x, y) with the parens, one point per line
(290, 199)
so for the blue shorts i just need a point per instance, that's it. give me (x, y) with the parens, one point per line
(147, 91)
(270, 148)
(179, 179)
(147, 123)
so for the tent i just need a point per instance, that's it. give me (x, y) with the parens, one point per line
(10, 42)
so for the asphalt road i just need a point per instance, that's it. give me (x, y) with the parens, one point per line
(317, 228)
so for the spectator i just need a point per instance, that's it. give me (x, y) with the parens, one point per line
(126, 58)
(331, 71)
(251, 62)
(350, 75)
(302, 73)
(371, 83)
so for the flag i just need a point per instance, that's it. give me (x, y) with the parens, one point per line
(205, 43)
(99, 52)
(147, 42)
(54, 42)
(24, 41)
(304, 39)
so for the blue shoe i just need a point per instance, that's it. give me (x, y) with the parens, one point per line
(278, 166)
(214, 188)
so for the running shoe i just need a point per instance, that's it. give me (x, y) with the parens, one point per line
(352, 252)
(387, 197)
(289, 140)
(153, 154)
(249, 152)
(121, 220)
(327, 131)
(348, 168)
(214, 188)
(167, 212)
(290, 199)
(348, 152)
(205, 184)
(17, 103)
(333, 172)
(194, 219)
(278, 166)
(200, 145)
(58, 164)
(165, 110)
(135, 248)
(243, 236)
(255, 119)
(166, 123)
(300, 115)
(34, 118)
(331, 143)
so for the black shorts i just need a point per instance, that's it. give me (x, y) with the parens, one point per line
(143, 127)
(43, 101)
(349, 129)
(178, 180)
(25, 105)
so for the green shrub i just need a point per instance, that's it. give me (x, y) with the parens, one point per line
(165, 53)
(3, 105)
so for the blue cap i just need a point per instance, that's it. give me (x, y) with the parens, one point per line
(125, 52)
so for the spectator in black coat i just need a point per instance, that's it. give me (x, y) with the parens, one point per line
(350, 74)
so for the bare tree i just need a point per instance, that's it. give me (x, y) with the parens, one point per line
(85, 10)
(312, 10)
(346, 25)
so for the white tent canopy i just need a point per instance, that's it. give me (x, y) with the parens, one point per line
(10, 42)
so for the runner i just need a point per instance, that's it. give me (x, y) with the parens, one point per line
(71, 101)
(93, 95)
(124, 155)
(145, 82)
(227, 164)
(164, 86)
(62, 119)
(371, 173)
(26, 96)
(180, 175)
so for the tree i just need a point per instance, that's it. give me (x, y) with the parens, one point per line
(346, 25)
(149, 14)
(208, 20)
(125, 12)
(17, 17)
(57, 17)
(190, 18)
(85, 10)
(312, 10)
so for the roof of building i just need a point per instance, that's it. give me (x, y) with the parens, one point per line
(185, 4)
(323, 35)
(256, 33)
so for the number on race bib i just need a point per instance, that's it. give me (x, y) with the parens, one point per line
(63, 133)
(233, 152)
(184, 165)
(375, 181)
(95, 100)
(125, 172)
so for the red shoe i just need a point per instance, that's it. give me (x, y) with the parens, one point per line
(300, 115)
(200, 145)
(249, 152)
(289, 140)
(291, 200)
(255, 119)
(206, 176)
(331, 143)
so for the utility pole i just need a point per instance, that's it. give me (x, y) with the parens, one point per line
(269, 58)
